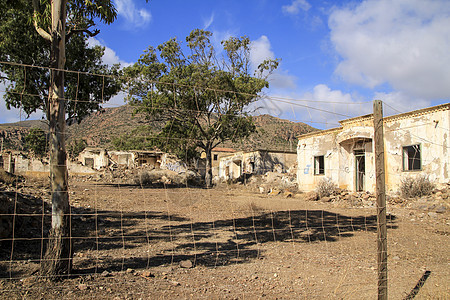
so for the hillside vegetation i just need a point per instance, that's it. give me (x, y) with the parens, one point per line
(102, 127)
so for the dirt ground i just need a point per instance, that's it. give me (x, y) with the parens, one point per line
(229, 242)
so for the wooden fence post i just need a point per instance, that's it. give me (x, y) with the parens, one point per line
(381, 199)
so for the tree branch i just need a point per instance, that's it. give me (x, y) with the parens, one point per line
(83, 30)
(218, 143)
(39, 30)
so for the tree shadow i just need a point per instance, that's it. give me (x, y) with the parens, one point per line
(155, 185)
(223, 242)
(115, 240)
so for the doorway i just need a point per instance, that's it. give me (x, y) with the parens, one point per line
(360, 170)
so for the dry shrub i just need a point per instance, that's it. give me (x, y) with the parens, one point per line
(146, 178)
(255, 207)
(325, 187)
(167, 177)
(8, 178)
(411, 187)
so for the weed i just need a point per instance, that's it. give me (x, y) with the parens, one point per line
(411, 187)
(325, 187)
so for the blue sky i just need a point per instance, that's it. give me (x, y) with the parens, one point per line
(336, 56)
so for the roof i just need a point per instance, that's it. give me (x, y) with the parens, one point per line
(223, 150)
(423, 111)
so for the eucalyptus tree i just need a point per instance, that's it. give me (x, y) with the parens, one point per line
(52, 34)
(202, 96)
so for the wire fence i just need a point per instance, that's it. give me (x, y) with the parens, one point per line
(266, 234)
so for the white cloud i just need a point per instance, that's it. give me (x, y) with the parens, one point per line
(14, 115)
(281, 79)
(134, 16)
(7, 116)
(329, 106)
(109, 57)
(399, 102)
(322, 92)
(208, 22)
(295, 6)
(322, 107)
(117, 100)
(260, 50)
(405, 44)
(218, 37)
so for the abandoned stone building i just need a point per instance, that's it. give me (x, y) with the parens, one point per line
(232, 166)
(22, 163)
(100, 158)
(8, 160)
(416, 143)
(217, 154)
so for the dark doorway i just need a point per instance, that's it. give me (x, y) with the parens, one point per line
(360, 169)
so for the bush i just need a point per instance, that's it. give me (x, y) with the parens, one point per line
(325, 187)
(9, 178)
(36, 141)
(419, 186)
(76, 147)
(146, 178)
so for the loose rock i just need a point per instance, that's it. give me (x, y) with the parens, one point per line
(186, 264)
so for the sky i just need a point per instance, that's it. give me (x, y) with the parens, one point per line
(336, 56)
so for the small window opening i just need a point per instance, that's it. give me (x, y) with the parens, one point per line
(319, 165)
(411, 158)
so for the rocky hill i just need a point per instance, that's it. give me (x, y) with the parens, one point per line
(100, 128)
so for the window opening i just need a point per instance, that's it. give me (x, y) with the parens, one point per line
(411, 158)
(319, 165)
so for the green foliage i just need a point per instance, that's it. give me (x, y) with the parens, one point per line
(36, 141)
(28, 87)
(201, 97)
(76, 147)
(146, 138)
(172, 139)
(81, 14)
(140, 138)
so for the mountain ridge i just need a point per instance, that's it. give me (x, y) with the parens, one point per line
(101, 127)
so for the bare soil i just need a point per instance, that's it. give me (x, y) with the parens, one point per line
(229, 242)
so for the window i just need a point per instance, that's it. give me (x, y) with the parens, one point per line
(89, 162)
(411, 158)
(319, 165)
(215, 156)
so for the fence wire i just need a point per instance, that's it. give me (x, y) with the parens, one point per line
(139, 235)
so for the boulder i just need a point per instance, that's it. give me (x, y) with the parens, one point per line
(311, 196)
(288, 194)
(275, 192)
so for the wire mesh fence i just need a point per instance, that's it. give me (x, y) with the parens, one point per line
(255, 236)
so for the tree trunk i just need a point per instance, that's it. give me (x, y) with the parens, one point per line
(58, 256)
(208, 174)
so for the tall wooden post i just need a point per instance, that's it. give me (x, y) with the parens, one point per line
(381, 199)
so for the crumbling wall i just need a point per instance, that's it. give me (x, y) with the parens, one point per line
(431, 132)
(427, 129)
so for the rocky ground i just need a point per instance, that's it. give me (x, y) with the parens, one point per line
(250, 240)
